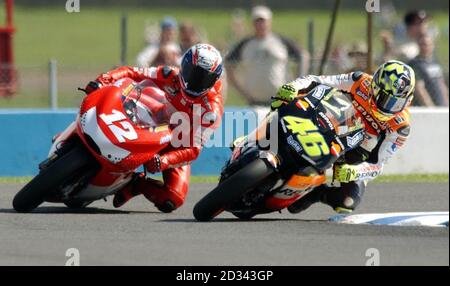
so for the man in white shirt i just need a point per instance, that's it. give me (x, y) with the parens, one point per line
(259, 64)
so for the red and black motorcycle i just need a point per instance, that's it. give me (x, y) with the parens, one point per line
(118, 128)
(310, 135)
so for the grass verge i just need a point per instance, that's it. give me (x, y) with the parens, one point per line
(415, 178)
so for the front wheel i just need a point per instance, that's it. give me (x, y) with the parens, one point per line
(231, 189)
(50, 178)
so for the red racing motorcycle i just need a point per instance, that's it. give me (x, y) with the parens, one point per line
(118, 129)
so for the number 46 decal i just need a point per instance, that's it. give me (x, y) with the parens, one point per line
(308, 135)
(126, 132)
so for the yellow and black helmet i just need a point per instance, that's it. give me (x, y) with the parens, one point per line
(392, 89)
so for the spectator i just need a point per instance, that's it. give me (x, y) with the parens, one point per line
(262, 59)
(339, 60)
(358, 57)
(167, 39)
(431, 89)
(405, 48)
(167, 55)
(189, 36)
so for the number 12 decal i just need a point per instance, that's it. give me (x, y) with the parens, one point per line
(126, 132)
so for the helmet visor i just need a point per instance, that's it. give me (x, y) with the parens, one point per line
(391, 104)
(197, 80)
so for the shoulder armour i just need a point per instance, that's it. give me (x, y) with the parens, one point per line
(357, 75)
(404, 130)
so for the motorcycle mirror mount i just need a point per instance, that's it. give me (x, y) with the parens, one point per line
(83, 90)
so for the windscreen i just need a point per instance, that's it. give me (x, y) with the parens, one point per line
(145, 104)
(338, 113)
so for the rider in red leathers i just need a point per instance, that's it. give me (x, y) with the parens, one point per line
(195, 86)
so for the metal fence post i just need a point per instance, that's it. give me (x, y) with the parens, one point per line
(53, 84)
(123, 39)
(328, 43)
(311, 45)
(369, 43)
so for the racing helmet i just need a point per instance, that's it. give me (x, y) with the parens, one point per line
(392, 89)
(201, 67)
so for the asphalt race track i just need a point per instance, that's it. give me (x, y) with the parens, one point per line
(138, 234)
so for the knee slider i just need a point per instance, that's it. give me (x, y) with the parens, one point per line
(170, 201)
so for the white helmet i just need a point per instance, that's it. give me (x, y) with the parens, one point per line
(201, 67)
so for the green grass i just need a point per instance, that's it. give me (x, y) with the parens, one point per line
(14, 180)
(91, 37)
(417, 178)
(87, 43)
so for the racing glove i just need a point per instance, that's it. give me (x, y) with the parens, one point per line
(285, 94)
(345, 173)
(154, 165)
(92, 86)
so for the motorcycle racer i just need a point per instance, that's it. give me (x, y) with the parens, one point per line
(382, 100)
(196, 83)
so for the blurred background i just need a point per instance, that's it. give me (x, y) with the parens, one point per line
(272, 41)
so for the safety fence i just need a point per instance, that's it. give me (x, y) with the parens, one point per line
(54, 85)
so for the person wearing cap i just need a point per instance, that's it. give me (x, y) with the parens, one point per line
(406, 48)
(262, 60)
(152, 54)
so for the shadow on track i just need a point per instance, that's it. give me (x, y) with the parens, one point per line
(88, 210)
(253, 220)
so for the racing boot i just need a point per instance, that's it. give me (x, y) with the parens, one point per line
(343, 199)
(129, 191)
(164, 198)
(170, 195)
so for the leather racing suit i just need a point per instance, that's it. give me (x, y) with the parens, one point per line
(173, 162)
(382, 140)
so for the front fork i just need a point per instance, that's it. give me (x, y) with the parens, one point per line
(58, 146)
(58, 140)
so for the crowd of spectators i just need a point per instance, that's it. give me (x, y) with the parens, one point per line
(260, 60)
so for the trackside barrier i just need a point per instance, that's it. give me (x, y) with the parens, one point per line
(25, 137)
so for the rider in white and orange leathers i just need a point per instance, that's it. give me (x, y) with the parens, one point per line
(382, 100)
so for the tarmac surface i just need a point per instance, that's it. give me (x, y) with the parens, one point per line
(137, 234)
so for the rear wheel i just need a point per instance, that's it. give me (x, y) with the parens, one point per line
(232, 189)
(53, 176)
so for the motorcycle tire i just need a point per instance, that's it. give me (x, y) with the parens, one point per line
(232, 189)
(76, 204)
(50, 178)
(244, 216)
